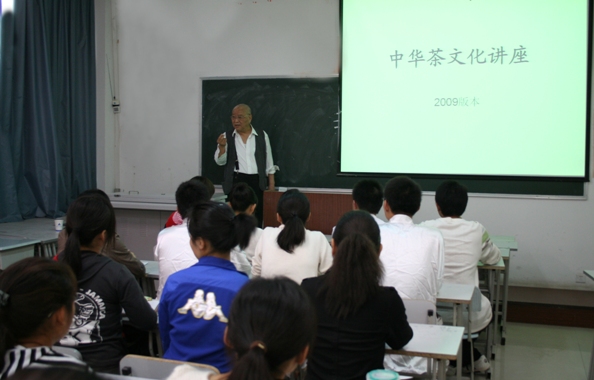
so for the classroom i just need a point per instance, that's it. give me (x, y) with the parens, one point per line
(155, 57)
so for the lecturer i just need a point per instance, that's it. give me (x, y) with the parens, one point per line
(247, 158)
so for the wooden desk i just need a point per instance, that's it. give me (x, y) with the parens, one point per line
(493, 284)
(13, 249)
(508, 243)
(458, 295)
(436, 342)
(41, 229)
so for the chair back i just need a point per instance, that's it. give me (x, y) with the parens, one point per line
(417, 311)
(156, 368)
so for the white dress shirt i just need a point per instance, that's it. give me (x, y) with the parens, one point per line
(310, 259)
(173, 252)
(246, 154)
(413, 259)
(242, 258)
(466, 243)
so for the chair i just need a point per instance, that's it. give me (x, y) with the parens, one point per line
(156, 368)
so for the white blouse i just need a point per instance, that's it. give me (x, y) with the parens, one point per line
(310, 259)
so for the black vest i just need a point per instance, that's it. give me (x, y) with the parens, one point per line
(232, 157)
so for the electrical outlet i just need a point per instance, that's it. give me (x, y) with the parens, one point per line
(580, 279)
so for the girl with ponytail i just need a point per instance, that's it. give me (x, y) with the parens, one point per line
(271, 327)
(356, 316)
(195, 302)
(36, 308)
(105, 287)
(291, 250)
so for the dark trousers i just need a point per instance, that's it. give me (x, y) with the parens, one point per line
(253, 180)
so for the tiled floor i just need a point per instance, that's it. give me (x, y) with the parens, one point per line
(543, 352)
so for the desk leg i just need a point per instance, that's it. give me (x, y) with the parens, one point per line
(504, 301)
(496, 332)
(459, 364)
(442, 371)
(591, 373)
(490, 279)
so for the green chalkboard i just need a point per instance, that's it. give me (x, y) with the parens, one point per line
(300, 116)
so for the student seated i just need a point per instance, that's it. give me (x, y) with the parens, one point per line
(356, 315)
(271, 327)
(36, 308)
(173, 251)
(194, 306)
(117, 251)
(291, 250)
(369, 196)
(243, 200)
(466, 243)
(412, 256)
(104, 287)
(175, 219)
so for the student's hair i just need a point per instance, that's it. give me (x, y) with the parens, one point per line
(31, 290)
(53, 373)
(206, 182)
(403, 195)
(452, 198)
(368, 195)
(97, 192)
(86, 218)
(189, 194)
(270, 322)
(241, 197)
(356, 271)
(293, 209)
(218, 224)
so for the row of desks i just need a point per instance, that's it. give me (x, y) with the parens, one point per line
(32, 237)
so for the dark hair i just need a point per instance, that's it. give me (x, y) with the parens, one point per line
(293, 208)
(86, 218)
(54, 373)
(241, 197)
(452, 198)
(97, 192)
(368, 195)
(189, 194)
(206, 182)
(270, 322)
(218, 224)
(356, 271)
(403, 195)
(35, 288)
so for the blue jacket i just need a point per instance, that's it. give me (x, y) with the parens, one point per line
(193, 312)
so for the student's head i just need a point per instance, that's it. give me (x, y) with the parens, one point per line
(292, 211)
(368, 196)
(272, 323)
(97, 192)
(90, 223)
(206, 182)
(451, 198)
(188, 194)
(242, 198)
(36, 303)
(403, 196)
(356, 270)
(215, 229)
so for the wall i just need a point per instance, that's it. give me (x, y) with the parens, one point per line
(167, 46)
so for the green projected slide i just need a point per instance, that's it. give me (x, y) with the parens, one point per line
(467, 87)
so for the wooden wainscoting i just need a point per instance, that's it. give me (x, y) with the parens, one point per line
(326, 209)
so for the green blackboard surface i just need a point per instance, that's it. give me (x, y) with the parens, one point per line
(300, 116)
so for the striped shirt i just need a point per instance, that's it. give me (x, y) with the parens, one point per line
(21, 357)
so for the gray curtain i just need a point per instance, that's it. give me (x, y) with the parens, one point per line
(47, 107)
